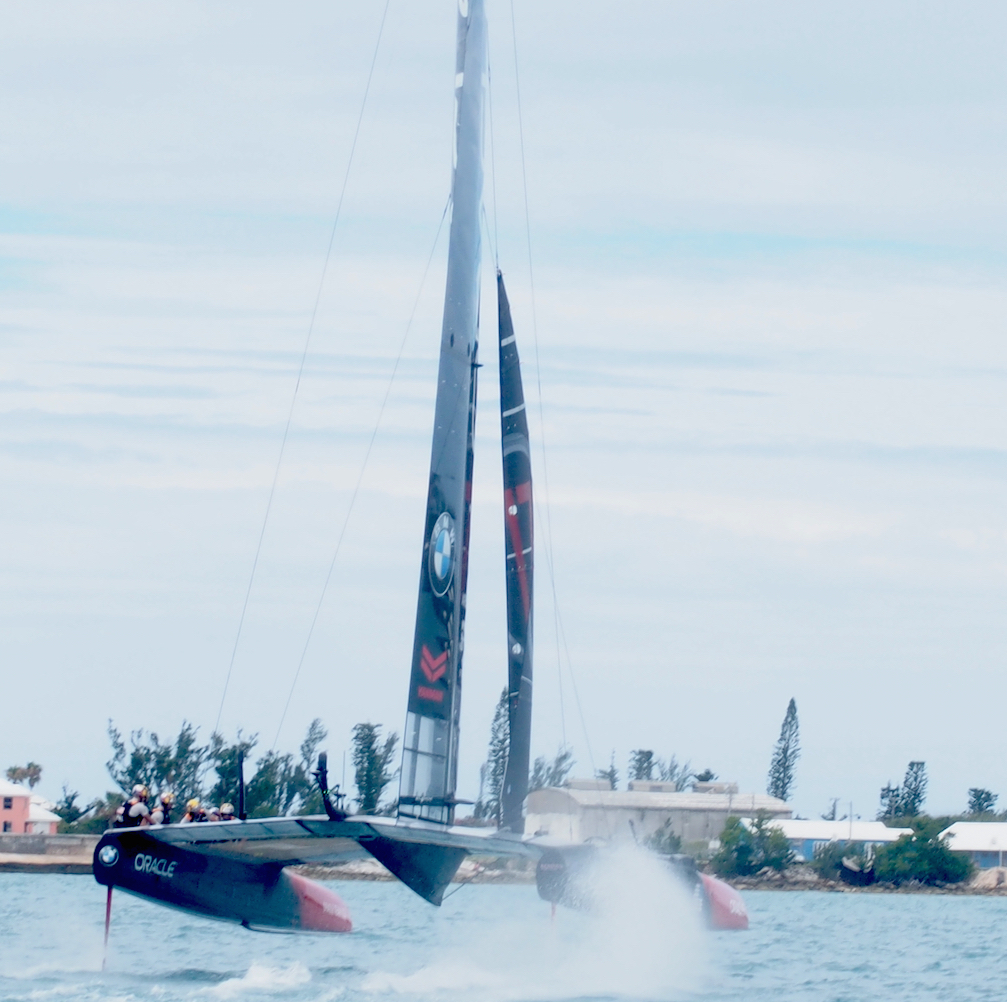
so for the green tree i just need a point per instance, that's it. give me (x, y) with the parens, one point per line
(785, 756)
(914, 789)
(271, 791)
(488, 807)
(642, 764)
(67, 807)
(923, 857)
(828, 858)
(372, 764)
(310, 797)
(664, 840)
(611, 773)
(225, 763)
(546, 774)
(279, 785)
(981, 801)
(178, 767)
(30, 774)
(905, 801)
(672, 772)
(747, 850)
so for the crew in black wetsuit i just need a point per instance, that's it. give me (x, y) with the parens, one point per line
(193, 812)
(161, 814)
(135, 811)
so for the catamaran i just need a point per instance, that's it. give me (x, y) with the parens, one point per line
(238, 870)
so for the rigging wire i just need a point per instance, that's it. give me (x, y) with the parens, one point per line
(300, 368)
(557, 616)
(538, 375)
(493, 167)
(363, 469)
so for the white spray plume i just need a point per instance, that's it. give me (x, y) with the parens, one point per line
(643, 939)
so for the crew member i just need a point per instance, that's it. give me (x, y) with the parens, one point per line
(161, 814)
(135, 811)
(193, 812)
(227, 812)
(213, 814)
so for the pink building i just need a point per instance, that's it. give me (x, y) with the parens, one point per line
(22, 813)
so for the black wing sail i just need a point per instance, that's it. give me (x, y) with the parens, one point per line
(430, 747)
(519, 522)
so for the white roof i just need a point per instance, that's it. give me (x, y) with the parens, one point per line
(837, 831)
(737, 803)
(36, 812)
(9, 789)
(977, 836)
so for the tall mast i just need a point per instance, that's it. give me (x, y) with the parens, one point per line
(428, 779)
(519, 525)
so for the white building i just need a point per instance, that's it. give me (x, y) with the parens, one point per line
(41, 820)
(805, 836)
(984, 842)
(590, 809)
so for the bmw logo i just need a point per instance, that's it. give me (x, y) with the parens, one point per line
(442, 553)
(109, 855)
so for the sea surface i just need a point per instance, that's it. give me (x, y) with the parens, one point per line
(499, 943)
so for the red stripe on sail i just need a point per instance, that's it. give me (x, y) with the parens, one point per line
(514, 531)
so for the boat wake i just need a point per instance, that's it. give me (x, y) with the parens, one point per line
(644, 939)
(262, 978)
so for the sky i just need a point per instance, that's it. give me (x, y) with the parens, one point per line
(762, 327)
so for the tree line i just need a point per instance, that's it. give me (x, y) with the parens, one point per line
(276, 783)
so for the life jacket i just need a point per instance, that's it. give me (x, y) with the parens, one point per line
(128, 816)
(160, 815)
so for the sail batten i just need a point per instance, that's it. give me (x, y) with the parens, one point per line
(519, 548)
(430, 746)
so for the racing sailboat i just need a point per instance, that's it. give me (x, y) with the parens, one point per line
(238, 870)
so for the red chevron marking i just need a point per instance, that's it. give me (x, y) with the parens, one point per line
(433, 667)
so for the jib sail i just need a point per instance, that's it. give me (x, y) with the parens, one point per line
(430, 746)
(519, 525)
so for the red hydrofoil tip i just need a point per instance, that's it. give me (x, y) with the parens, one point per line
(322, 910)
(727, 907)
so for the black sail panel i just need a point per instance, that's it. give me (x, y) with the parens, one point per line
(430, 744)
(519, 526)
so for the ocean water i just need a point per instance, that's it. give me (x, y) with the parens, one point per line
(499, 943)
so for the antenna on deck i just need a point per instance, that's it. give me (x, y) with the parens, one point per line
(321, 775)
(241, 786)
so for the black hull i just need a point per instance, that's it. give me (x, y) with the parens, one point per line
(257, 895)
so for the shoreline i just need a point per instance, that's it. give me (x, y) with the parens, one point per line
(62, 854)
(983, 883)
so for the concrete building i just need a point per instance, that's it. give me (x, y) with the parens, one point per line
(805, 836)
(984, 842)
(591, 809)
